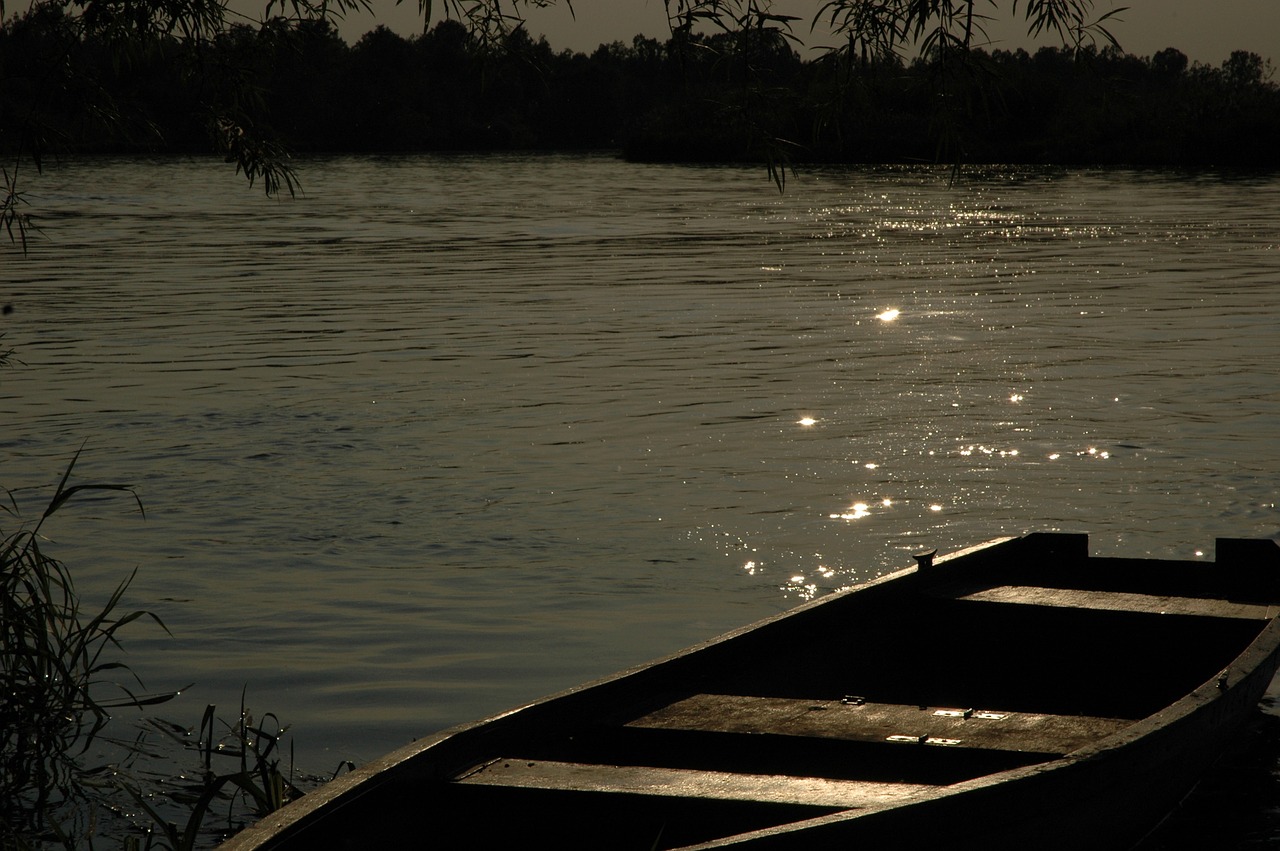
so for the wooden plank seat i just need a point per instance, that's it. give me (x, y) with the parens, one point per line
(855, 720)
(687, 783)
(1116, 601)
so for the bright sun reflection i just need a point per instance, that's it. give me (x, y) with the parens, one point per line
(859, 510)
(806, 421)
(966, 451)
(1091, 452)
(854, 512)
(889, 315)
(797, 585)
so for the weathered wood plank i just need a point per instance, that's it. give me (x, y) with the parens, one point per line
(688, 783)
(1119, 602)
(879, 722)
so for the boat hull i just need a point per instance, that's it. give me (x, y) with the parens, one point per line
(1015, 695)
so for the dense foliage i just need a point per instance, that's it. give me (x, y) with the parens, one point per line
(721, 96)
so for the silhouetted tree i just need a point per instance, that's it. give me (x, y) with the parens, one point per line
(1169, 63)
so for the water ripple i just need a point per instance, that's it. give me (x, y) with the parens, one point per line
(446, 433)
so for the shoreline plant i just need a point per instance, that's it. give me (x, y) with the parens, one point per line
(256, 786)
(59, 681)
(60, 684)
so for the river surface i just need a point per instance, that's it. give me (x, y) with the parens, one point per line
(445, 434)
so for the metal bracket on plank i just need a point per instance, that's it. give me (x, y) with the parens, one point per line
(922, 740)
(970, 713)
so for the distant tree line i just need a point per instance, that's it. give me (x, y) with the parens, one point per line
(726, 97)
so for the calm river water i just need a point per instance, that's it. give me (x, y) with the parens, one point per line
(442, 435)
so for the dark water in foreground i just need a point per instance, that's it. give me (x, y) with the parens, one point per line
(446, 434)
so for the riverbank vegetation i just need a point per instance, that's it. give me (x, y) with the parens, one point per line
(74, 771)
(741, 94)
(59, 680)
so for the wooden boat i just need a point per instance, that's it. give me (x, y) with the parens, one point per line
(1019, 694)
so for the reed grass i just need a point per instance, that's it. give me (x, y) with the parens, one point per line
(254, 786)
(241, 778)
(58, 688)
(58, 682)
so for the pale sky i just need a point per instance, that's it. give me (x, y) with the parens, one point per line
(1205, 30)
